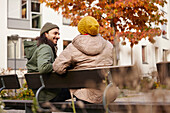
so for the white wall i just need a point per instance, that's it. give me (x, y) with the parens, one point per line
(67, 33)
(14, 8)
(3, 34)
(145, 69)
(125, 55)
(23, 33)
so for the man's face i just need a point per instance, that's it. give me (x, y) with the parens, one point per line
(53, 35)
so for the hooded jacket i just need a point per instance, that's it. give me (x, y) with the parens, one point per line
(85, 51)
(40, 59)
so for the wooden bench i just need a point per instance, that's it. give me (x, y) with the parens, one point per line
(72, 79)
(84, 78)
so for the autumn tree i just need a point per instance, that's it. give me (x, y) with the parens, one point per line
(131, 19)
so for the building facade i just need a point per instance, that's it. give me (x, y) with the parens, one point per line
(22, 19)
(146, 54)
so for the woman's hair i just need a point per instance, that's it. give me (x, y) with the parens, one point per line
(44, 40)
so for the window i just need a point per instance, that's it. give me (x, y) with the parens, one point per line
(66, 21)
(16, 52)
(164, 26)
(164, 30)
(35, 14)
(165, 54)
(36, 21)
(156, 54)
(24, 14)
(144, 55)
(16, 44)
(24, 9)
(35, 6)
(66, 43)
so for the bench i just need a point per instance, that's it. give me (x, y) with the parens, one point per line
(9, 82)
(72, 79)
(84, 78)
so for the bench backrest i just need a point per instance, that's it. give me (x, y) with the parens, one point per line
(91, 77)
(9, 81)
(72, 79)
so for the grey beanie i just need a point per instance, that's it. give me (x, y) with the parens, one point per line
(48, 26)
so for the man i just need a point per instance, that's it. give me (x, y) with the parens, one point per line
(41, 53)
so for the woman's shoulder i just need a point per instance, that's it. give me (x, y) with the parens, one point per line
(109, 44)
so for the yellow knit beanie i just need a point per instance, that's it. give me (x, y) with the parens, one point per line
(88, 25)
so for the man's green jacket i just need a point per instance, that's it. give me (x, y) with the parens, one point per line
(40, 59)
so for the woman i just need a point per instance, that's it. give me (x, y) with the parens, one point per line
(87, 50)
(41, 54)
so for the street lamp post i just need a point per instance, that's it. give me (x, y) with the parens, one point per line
(15, 56)
(13, 37)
